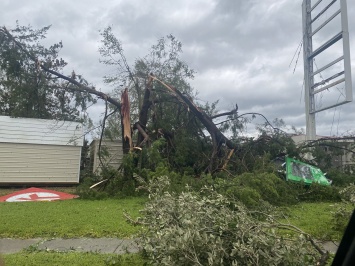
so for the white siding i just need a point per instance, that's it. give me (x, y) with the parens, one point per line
(39, 151)
(35, 163)
(40, 131)
(114, 149)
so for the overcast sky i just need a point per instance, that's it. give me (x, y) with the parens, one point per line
(241, 50)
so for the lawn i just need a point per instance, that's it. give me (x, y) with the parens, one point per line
(316, 219)
(104, 218)
(69, 218)
(71, 259)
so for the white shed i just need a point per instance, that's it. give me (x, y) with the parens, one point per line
(39, 151)
(114, 152)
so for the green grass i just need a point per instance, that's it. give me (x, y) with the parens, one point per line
(69, 218)
(71, 259)
(316, 219)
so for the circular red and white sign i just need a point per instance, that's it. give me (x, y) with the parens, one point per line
(34, 196)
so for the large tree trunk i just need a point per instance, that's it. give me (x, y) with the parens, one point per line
(143, 115)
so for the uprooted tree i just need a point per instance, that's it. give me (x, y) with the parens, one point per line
(157, 101)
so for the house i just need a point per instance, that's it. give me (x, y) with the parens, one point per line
(39, 151)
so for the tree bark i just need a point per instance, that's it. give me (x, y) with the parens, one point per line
(143, 113)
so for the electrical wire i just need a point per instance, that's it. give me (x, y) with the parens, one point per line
(321, 97)
(298, 47)
(321, 94)
(331, 128)
(338, 121)
(298, 56)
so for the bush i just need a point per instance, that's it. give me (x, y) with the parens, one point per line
(348, 193)
(340, 219)
(206, 228)
(114, 185)
(342, 215)
(316, 192)
(341, 179)
(251, 188)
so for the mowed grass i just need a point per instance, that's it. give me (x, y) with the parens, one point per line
(69, 218)
(316, 219)
(71, 259)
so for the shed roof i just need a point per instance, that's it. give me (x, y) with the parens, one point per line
(40, 131)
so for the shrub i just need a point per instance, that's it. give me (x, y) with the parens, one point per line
(114, 185)
(348, 193)
(316, 192)
(205, 228)
(342, 215)
(340, 219)
(341, 179)
(251, 188)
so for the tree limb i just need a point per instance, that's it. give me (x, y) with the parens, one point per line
(80, 87)
(202, 116)
(226, 113)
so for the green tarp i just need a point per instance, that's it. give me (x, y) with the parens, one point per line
(301, 172)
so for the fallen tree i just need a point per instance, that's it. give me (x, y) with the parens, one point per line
(158, 105)
(218, 138)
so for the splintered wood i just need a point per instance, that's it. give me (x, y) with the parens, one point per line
(126, 121)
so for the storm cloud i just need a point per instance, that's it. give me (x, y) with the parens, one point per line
(241, 50)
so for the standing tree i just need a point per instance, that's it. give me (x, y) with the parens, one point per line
(26, 90)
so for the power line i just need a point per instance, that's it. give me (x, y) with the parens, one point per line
(299, 48)
(331, 128)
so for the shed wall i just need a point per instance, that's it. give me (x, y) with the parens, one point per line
(112, 148)
(36, 163)
(39, 150)
(40, 131)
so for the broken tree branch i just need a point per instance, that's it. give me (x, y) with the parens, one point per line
(227, 159)
(234, 111)
(201, 115)
(126, 122)
(142, 132)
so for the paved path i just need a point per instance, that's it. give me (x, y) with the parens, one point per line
(102, 245)
(330, 246)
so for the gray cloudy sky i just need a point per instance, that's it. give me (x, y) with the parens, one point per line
(241, 50)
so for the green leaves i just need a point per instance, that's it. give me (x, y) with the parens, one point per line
(26, 90)
(201, 228)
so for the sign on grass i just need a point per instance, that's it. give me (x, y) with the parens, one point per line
(36, 194)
